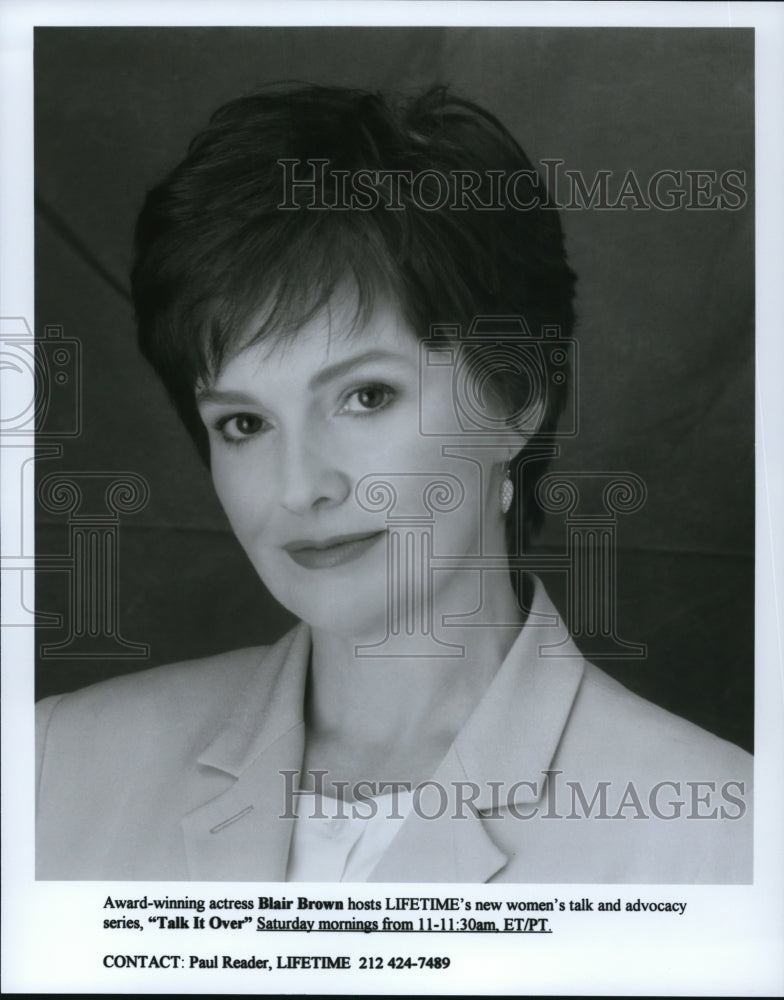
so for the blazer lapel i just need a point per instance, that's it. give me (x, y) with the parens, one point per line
(431, 846)
(501, 754)
(243, 833)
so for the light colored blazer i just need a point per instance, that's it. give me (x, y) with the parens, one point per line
(175, 773)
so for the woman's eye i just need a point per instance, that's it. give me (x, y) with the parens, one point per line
(239, 427)
(368, 398)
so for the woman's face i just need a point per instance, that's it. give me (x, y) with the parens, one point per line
(295, 426)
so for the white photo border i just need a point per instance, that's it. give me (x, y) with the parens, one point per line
(731, 942)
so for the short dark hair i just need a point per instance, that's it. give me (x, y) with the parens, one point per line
(214, 248)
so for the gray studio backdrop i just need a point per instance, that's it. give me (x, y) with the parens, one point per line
(666, 324)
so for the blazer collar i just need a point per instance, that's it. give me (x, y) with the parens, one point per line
(270, 706)
(511, 737)
(243, 833)
(514, 732)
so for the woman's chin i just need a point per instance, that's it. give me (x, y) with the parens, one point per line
(360, 620)
(355, 607)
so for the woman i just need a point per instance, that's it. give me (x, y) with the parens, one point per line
(348, 299)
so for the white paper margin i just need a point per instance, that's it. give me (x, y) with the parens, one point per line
(731, 942)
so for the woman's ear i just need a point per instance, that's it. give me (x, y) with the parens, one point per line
(516, 438)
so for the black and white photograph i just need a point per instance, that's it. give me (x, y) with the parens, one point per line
(387, 487)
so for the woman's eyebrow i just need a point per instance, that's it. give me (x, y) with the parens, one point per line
(339, 368)
(229, 396)
(209, 394)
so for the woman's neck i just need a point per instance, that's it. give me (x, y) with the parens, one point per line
(377, 719)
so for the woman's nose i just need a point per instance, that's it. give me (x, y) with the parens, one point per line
(311, 474)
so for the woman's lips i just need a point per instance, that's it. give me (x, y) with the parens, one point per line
(333, 551)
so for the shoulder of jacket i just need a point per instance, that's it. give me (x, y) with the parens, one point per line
(622, 724)
(172, 693)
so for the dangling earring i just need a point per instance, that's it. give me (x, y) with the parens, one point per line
(507, 492)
